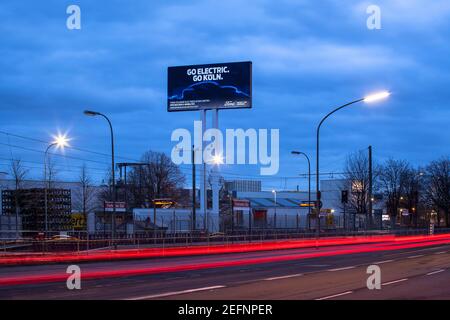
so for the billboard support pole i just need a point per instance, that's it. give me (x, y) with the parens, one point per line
(204, 201)
(214, 222)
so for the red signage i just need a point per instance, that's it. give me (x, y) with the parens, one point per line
(241, 203)
(120, 206)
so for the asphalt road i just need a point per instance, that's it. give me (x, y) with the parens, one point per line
(414, 273)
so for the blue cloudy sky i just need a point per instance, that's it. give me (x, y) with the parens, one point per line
(308, 57)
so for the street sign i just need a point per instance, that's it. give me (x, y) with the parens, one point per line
(209, 86)
(120, 206)
(405, 212)
(243, 205)
(163, 203)
(78, 221)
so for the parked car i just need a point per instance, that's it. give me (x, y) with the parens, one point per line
(63, 237)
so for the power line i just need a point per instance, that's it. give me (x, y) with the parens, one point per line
(223, 173)
(70, 147)
(42, 165)
(51, 153)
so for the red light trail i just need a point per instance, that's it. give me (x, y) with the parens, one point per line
(28, 259)
(397, 244)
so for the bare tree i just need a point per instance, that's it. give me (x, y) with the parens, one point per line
(356, 174)
(393, 176)
(18, 172)
(51, 173)
(438, 187)
(85, 193)
(413, 189)
(106, 192)
(357, 179)
(159, 177)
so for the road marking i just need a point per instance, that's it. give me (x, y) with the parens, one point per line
(441, 252)
(395, 281)
(335, 295)
(417, 256)
(174, 293)
(316, 265)
(409, 252)
(384, 261)
(434, 272)
(284, 277)
(340, 269)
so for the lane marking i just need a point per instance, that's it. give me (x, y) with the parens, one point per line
(434, 272)
(414, 250)
(316, 265)
(284, 277)
(174, 293)
(395, 281)
(440, 252)
(417, 256)
(335, 295)
(384, 261)
(340, 269)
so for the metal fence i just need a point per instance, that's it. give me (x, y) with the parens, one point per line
(79, 241)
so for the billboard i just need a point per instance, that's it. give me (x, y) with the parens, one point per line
(209, 86)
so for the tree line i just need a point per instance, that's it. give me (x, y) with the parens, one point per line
(422, 192)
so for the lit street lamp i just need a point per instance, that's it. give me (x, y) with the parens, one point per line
(59, 142)
(309, 181)
(217, 159)
(367, 99)
(93, 114)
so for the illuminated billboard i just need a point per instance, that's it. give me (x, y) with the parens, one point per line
(209, 86)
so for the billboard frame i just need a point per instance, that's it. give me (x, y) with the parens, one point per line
(217, 107)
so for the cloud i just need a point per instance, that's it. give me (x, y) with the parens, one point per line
(308, 57)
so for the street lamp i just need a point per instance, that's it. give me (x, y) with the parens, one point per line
(368, 99)
(60, 142)
(418, 176)
(275, 214)
(217, 159)
(309, 181)
(114, 191)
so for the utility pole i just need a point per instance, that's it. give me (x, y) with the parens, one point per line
(370, 187)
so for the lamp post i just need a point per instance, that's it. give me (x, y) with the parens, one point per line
(59, 141)
(367, 99)
(114, 191)
(309, 183)
(418, 176)
(275, 214)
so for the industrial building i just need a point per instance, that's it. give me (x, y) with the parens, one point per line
(243, 185)
(31, 205)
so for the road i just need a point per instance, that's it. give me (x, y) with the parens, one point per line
(338, 272)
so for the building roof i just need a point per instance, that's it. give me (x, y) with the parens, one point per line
(270, 202)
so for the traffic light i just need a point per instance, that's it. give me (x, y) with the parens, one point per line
(344, 196)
